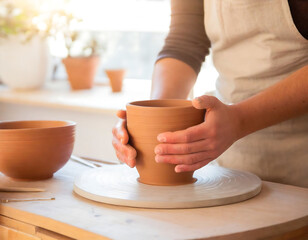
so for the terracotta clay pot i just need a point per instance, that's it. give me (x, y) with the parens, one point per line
(34, 150)
(147, 119)
(81, 71)
(116, 77)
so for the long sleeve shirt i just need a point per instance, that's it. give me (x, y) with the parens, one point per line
(187, 40)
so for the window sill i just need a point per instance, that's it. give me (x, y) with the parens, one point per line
(100, 99)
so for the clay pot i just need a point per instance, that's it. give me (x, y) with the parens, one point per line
(81, 71)
(147, 119)
(34, 150)
(116, 77)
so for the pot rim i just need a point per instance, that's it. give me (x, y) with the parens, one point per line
(67, 123)
(134, 104)
(81, 57)
(37, 140)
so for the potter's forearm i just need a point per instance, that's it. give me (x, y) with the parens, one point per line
(172, 79)
(282, 101)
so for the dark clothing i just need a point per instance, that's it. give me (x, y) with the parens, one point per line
(187, 40)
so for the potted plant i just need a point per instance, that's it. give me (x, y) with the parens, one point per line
(24, 53)
(81, 65)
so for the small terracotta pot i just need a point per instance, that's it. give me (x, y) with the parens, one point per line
(81, 71)
(34, 150)
(147, 119)
(116, 77)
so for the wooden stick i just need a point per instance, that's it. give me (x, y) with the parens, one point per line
(100, 161)
(25, 200)
(21, 189)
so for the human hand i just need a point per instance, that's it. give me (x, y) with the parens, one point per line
(194, 147)
(125, 152)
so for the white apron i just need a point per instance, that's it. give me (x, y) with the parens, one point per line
(256, 44)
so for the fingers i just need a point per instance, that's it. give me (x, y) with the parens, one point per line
(182, 148)
(191, 134)
(125, 153)
(205, 102)
(120, 131)
(194, 133)
(187, 156)
(121, 114)
(187, 159)
(186, 163)
(130, 162)
(193, 167)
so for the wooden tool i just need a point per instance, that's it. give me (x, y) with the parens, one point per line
(21, 189)
(25, 200)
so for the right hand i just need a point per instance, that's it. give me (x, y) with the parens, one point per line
(125, 152)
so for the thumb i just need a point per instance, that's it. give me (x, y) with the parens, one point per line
(121, 114)
(205, 102)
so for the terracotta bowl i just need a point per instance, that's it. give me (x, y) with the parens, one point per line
(35, 150)
(145, 120)
(17, 130)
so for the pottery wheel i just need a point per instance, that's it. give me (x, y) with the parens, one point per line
(118, 185)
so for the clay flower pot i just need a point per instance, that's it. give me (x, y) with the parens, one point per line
(34, 150)
(116, 77)
(145, 120)
(81, 71)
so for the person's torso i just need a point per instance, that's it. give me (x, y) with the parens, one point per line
(255, 44)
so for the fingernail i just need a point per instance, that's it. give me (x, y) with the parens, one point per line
(158, 151)
(157, 159)
(161, 138)
(197, 99)
(130, 164)
(177, 169)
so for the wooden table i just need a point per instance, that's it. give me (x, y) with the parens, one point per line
(278, 212)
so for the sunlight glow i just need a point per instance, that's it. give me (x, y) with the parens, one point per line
(123, 15)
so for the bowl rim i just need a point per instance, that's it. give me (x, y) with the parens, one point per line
(37, 139)
(69, 123)
(134, 104)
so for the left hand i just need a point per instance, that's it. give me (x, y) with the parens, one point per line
(194, 147)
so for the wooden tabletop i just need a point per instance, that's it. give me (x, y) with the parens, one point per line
(277, 210)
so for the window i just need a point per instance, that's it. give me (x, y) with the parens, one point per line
(133, 32)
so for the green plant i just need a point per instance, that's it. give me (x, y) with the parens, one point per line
(29, 20)
(82, 44)
(94, 47)
(15, 20)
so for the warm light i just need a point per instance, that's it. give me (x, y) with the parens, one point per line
(122, 15)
